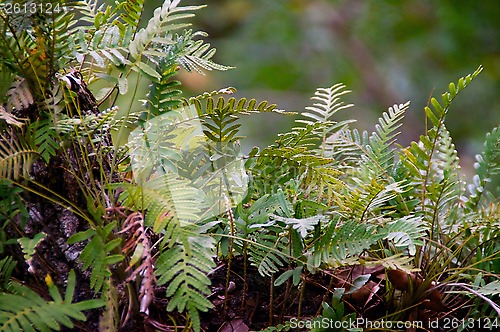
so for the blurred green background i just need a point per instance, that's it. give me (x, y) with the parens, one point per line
(385, 51)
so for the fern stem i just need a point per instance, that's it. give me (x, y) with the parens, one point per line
(301, 298)
(271, 300)
(230, 253)
(245, 275)
(328, 290)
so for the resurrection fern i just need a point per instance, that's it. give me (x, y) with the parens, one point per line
(109, 318)
(328, 104)
(163, 93)
(15, 157)
(21, 309)
(197, 55)
(184, 266)
(487, 166)
(425, 159)
(168, 201)
(405, 233)
(269, 250)
(99, 253)
(173, 207)
(132, 12)
(58, 28)
(379, 151)
(342, 242)
(163, 209)
(295, 151)
(46, 138)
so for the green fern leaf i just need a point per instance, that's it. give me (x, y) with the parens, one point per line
(268, 250)
(21, 309)
(487, 165)
(7, 265)
(303, 225)
(132, 10)
(97, 254)
(15, 158)
(327, 105)
(405, 233)
(46, 138)
(184, 267)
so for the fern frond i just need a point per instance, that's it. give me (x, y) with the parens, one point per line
(88, 10)
(106, 46)
(487, 165)
(21, 309)
(394, 262)
(327, 105)
(346, 148)
(302, 225)
(60, 26)
(108, 322)
(197, 55)
(491, 289)
(379, 151)
(15, 157)
(269, 251)
(11, 119)
(98, 253)
(342, 242)
(163, 93)
(435, 164)
(184, 267)
(132, 12)
(7, 265)
(158, 33)
(433, 160)
(168, 200)
(46, 138)
(437, 115)
(405, 233)
(139, 245)
(365, 200)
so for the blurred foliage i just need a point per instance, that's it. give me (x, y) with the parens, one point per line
(387, 51)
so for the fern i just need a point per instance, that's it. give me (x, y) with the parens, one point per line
(15, 157)
(158, 33)
(379, 152)
(7, 265)
(302, 225)
(342, 242)
(109, 318)
(46, 138)
(265, 241)
(132, 12)
(59, 27)
(163, 196)
(328, 104)
(405, 233)
(21, 309)
(269, 249)
(434, 155)
(196, 54)
(97, 254)
(184, 267)
(163, 93)
(487, 165)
